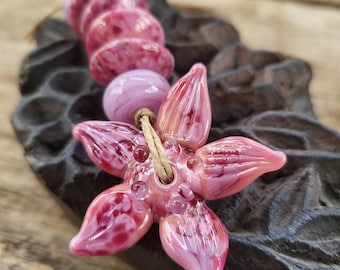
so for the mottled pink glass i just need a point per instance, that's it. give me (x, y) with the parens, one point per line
(191, 234)
(122, 55)
(131, 91)
(96, 8)
(123, 23)
(81, 13)
(120, 35)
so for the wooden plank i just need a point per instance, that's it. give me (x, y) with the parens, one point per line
(335, 3)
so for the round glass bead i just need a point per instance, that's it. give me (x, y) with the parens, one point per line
(139, 189)
(132, 91)
(141, 153)
(177, 205)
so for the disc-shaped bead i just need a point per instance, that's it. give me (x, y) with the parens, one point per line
(122, 55)
(123, 23)
(97, 7)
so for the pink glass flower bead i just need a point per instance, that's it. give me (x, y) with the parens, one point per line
(132, 91)
(120, 35)
(191, 233)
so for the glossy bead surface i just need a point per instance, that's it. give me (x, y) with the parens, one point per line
(190, 232)
(73, 11)
(81, 13)
(139, 189)
(141, 153)
(123, 23)
(97, 7)
(122, 55)
(131, 91)
(177, 205)
(120, 35)
(187, 118)
(115, 222)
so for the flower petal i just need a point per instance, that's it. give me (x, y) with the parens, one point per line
(185, 113)
(228, 165)
(110, 145)
(114, 221)
(196, 240)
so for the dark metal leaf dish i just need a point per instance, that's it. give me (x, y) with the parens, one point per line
(289, 219)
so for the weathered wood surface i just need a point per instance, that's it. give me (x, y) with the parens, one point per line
(34, 229)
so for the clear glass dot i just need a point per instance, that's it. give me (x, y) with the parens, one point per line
(177, 205)
(140, 189)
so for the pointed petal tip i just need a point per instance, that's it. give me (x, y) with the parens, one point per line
(277, 160)
(76, 131)
(198, 69)
(82, 129)
(230, 164)
(114, 221)
(78, 246)
(83, 247)
(75, 247)
(265, 158)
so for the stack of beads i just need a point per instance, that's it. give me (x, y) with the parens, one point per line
(125, 44)
(123, 38)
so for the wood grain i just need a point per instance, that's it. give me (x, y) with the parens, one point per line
(34, 228)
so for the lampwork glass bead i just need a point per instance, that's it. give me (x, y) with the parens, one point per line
(177, 205)
(123, 23)
(73, 10)
(121, 55)
(81, 13)
(141, 153)
(139, 189)
(190, 232)
(120, 35)
(134, 90)
(97, 7)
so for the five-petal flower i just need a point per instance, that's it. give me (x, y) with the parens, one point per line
(190, 232)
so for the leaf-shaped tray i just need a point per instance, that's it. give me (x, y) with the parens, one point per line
(285, 220)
